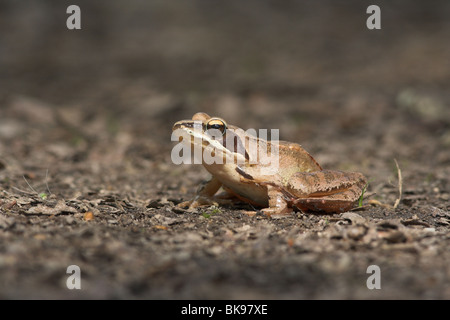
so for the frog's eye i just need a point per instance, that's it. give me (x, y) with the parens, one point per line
(217, 124)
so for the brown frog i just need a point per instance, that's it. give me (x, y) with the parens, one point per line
(283, 177)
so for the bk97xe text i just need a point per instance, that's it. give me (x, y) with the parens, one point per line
(246, 309)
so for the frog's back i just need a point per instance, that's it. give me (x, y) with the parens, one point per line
(294, 157)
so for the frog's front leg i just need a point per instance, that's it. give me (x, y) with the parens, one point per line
(277, 203)
(327, 190)
(204, 195)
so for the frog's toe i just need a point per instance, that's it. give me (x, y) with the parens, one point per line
(184, 204)
(277, 213)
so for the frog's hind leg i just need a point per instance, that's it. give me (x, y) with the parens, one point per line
(327, 190)
(330, 204)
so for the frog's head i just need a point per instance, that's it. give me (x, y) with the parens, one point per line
(214, 137)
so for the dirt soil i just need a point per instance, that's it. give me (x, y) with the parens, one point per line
(86, 176)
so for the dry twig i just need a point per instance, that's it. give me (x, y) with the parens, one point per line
(400, 183)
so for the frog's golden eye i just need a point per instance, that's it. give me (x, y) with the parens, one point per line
(217, 124)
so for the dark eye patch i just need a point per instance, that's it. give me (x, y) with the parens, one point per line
(243, 173)
(234, 144)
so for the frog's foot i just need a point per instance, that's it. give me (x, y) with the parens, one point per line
(198, 201)
(277, 212)
(278, 207)
(202, 201)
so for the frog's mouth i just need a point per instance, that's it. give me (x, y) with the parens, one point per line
(215, 143)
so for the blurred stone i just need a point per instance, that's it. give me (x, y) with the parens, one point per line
(33, 110)
(354, 218)
(356, 232)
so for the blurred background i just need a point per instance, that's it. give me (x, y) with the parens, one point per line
(110, 92)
